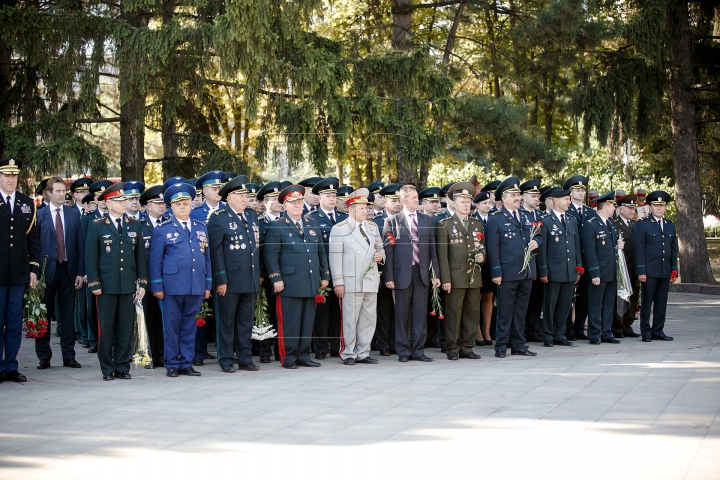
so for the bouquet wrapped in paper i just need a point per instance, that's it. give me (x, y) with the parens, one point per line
(35, 320)
(624, 285)
(141, 357)
(262, 329)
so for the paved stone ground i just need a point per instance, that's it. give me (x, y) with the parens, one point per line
(632, 410)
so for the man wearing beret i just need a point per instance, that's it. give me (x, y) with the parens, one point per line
(181, 277)
(237, 272)
(461, 252)
(19, 264)
(297, 267)
(655, 254)
(625, 224)
(115, 264)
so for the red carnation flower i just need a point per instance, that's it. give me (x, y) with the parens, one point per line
(673, 275)
(432, 314)
(29, 324)
(319, 298)
(441, 317)
(580, 270)
(391, 238)
(479, 236)
(200, 322)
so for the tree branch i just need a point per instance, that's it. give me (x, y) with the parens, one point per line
(98, 120)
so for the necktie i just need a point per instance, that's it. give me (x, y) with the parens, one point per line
(515, 216)
(187, 230)
(607, 222)
(297, 224)
(59, 236)
(415, 239)
(661, 226)
(119, 225)
(9, 204)
(580, 210)
(332, 219)
(362, 232)
(244, 220)
(562, 220)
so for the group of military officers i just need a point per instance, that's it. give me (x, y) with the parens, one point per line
(344, 270)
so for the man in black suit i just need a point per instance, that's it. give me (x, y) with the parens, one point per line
(577, 185)
(62, 246)
(407, 271)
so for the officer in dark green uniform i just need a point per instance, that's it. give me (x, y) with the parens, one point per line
(115, 265)
(625, 224)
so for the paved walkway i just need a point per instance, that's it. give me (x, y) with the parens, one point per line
(632, 410)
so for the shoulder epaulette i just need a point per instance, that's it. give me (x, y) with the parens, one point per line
(495, 212)
(443, 221)
(340, 224)
(590, 220)
(200, 222)
(198, 206)
(164, 222)
(133, 219)
(218, 210)
(278, 219)
(101, 219)
(307, 216)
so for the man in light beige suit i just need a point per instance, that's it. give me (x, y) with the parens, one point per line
(356, 246)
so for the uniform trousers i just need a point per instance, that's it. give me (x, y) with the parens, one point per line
(512, 303)
(235, 313)
(204, 333)
(64, 287)
(558, 304)
(266, 346)
(154, 322)
(179, 331)
(385, 327)
(358, 324)
(601, 305)
(326, 332)
(581, 308)
(533, 322)
(295, 317)
(11, 305)
(461, 322)
(92, 317)
(654, 297)
(116, 317)
(410, 305)
(81, 321)
(624, 324)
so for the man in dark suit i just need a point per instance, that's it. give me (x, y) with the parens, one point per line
(625, 223)
(297, 267)
(234, 233)
(326, 333)
(62, 247)
(19, 264)
(655, 254)
(599, 239)
(530, 200)
(507, 235)
(577, 185)
(559, 266)
(407, 272)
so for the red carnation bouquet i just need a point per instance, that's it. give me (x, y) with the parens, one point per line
(528, 253)
(202, 314)
(435, 297)
(472, 258)
(35, 311)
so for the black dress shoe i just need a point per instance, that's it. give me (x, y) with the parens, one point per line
(190, 372)
(72, 363)
(123, 375)
(524, 353)
(662, 337)
(265, 360)
(471, 356)
(646, 339)
(320, 356)
(595, 341)
(547, 344)
(564, 343)
(15, 376)
(618, 335)
(290, 365)
(108, 376)
(227, 369)
(385, 353)
(631, 334)
(369, 360)
(489, 343)
(349, 361)
(198, 362)
(570, 336)
(149, 366)
(534, 338)
(422, 358)
(403, 358)
(452, 356)
(309, 363)
(209, 356)
(172, 372)
(92, 350)
(479, 343)
(249, 367)
(610, 340)
(500, 354)
(442, 349)
(43, 364)
(581, 336)
(85, 345)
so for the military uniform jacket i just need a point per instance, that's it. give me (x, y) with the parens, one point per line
(234, 250)
(627, 235)
(598, 248)
(19, 241)
(441, 216)
(351, 255)
(88, 218)
(580, 219)
(326, 224)
(180, 265)
(561, 253)
(506, 241)
(456, 249)
(297, 259)
(114, 262)
(202, 212)
(654, 250)
(148, 230)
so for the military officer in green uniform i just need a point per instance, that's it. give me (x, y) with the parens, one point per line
(461, 251)
(116, 268)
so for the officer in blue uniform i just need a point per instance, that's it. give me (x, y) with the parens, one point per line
(297, 267)
(154, 201)
(326, 333)
(180, 276)
(449, 210)
(655, 247)
(599, 240)
(310, 203)
(133, 190)
(79, 188)
(491, 187)
(533, 326)
(234, 232)
(507, 235)
(559, 266)
(577, 185)
(19, 264)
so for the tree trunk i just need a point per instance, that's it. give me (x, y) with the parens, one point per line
(693, 255)
(169, 150)
(402, 24)
(5, 78)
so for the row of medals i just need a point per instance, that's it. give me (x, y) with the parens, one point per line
(237, 245)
